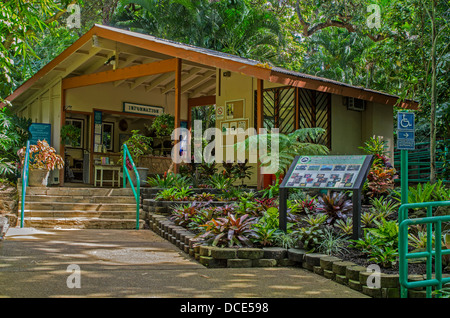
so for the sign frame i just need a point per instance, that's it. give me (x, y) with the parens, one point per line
(405, 130)
(148, 110)
(356, 189)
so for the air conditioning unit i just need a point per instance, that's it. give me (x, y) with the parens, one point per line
(355, 104)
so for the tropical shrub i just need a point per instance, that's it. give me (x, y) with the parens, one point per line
(228, 231)
(42, 156)
(335, 205)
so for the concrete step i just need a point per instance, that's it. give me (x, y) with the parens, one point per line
(82, 214)
(81, 199)
(63, 206)
(82, 223)
(63, 191)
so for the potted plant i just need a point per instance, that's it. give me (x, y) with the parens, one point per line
(43, 159)
(138, 145)
(164, 125)
(70, 135)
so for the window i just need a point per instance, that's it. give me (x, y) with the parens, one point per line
(108, 136)
(291, 108)
(79, 123)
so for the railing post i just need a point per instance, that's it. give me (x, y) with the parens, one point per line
(24, 182)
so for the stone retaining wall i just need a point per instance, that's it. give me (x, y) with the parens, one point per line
(343, 272)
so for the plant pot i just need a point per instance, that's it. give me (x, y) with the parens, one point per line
(142, 175)
(38, 177)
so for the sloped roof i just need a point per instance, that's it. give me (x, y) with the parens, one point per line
(215, 59)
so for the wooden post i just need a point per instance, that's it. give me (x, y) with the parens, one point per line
(61, 145)
(177, 103)
(259, 124)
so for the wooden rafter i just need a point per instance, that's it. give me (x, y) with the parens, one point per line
(120, 74)
(197, 81)
(203, 87)
(184, 77)
(158, 81)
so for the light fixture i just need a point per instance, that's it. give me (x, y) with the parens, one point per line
(227, 74)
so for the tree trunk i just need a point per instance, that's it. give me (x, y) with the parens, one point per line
(433, 95)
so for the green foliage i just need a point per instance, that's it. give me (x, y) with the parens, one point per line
(174, 194)
(229, 231)
(386, 231)
(13, 136)
(345, 226)
(163, 125)
(310, 236)
(289, 146)
(367, 219)
(386, 256)
(138, 146)
(383, 207)
(267, 229)
(332, 244)
(70, 135)
(335, 205)
(220, 181)
(168, 180)
(425, 192)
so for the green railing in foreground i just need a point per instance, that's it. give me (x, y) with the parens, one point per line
(25, 172)
(404, 222)
(126, 175)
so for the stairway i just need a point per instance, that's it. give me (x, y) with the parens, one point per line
(80, 208)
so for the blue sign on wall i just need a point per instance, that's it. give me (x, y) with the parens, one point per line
(40, 132)
(405, 131)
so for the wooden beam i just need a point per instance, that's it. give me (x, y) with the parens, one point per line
(120, 74)
(177, 102)
(259, 124)
(130, 60)
(157, 81)
(202, 101)
(184, 77)
(204, 86)
(197, 81)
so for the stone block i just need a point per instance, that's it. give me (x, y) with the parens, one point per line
(205, 250)
(264, 262)
(352, 272)
(341, 279)
(390, 280)
(355, 284)
(274, 253)
(286, 262)
(372, 292)
(390, 292)
(223, 253)
(250, 253)
(327, 262)
(210, 262)
(308, 266)
(314, 258)
(239, 263)
(329, 274)
(340, 268)
(296, 254)
(318, 270)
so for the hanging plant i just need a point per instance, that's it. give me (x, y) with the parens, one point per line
(70, 135)
(164, 125)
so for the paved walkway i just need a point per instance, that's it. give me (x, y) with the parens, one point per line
(128, 263)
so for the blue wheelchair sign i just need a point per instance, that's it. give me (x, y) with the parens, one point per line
(405, 131)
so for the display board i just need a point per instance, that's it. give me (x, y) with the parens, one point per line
(326, 172)
(338, 173)
(41, 132)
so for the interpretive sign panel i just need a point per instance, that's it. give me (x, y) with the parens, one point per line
(326, 172)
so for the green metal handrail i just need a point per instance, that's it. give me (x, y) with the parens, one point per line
(419, 161)
(137, 190)
(25, 172)
(404, 223)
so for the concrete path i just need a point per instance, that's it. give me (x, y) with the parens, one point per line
(127, 263)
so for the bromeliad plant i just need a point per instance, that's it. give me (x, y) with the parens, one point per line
(229, 231)
(335, 205)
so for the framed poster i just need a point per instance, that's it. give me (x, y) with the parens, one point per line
(242, 124)
(235, 109)
(233, 127)
(220, 112)
(224, 127)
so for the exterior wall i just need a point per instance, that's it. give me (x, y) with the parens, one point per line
(108, 97)
(349, 129)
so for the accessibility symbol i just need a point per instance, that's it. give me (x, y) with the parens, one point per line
(405, 131)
